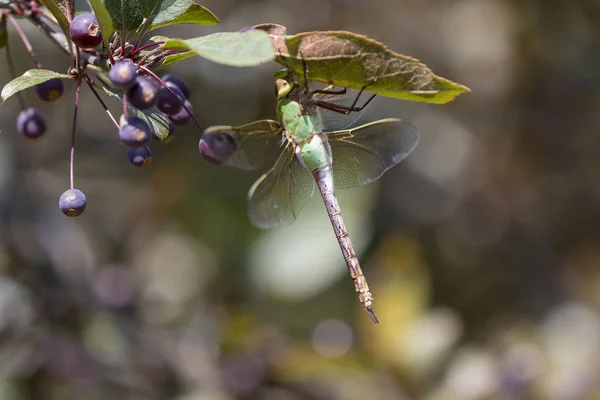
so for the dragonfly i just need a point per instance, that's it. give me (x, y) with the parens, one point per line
(312, 148)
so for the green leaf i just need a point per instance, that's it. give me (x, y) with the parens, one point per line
(60, 16)
(229, 48)
(155, 119)
(195, 14)
(3, 32)
(170, 10)
(28, 79)
(350, 60)
(129, 15)
(104, 19)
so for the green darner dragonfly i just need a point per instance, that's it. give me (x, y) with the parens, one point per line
(308, 154)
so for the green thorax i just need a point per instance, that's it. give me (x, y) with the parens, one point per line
(300, 122)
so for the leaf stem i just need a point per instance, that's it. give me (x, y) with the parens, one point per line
(89, 83)
(152, 74)
(26, 41)
(72, 162)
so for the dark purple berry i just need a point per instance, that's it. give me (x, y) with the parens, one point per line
(31, 123)
(72, 202)
(139, 156)
(85, 30)
(135, 132)
(143, 94)
(217, 147)
(122, 74)
(170, 135)
(167, 103)
(172, 80)
(50, 90)
(182, 117)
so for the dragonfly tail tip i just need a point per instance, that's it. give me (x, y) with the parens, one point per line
(372, 315)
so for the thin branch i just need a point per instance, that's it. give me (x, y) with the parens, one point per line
(13, 74)
(152, 74)
(26, 41)
(89, 83)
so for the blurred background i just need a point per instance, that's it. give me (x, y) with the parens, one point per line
(482, 248)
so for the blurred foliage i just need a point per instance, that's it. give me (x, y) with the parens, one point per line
(482, 248)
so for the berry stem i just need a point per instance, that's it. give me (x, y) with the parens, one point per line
(72, 163)
(147, 46)
(150, 54)
(105, 50)
(77, 60)
(152, 74)
(26, 42)
(161, 57)
(89, 83)
(13, 73)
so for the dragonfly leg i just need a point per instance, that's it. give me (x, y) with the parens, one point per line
(305, 67)
(323, 91)
(338, 108)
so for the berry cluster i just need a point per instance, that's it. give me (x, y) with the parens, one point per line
(128, 68)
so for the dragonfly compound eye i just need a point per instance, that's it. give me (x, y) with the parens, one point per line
(217, 147)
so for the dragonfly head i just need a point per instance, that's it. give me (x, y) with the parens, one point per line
(282, 88)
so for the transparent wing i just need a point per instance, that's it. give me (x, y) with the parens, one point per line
(334, 121)
(249, 146)
(277, 197)
(361, 155)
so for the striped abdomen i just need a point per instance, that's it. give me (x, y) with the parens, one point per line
(324, 178)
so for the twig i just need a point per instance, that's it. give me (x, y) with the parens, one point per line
(89, 83)
(13, 73)
(26, 41)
